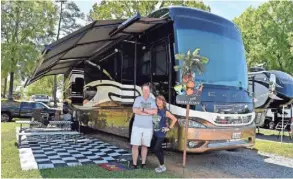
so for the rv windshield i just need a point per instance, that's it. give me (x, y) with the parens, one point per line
(220, 44)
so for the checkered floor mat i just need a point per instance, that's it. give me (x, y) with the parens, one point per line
(35, 153)
(56, 137)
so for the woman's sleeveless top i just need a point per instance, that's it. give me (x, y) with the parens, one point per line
(160, 121)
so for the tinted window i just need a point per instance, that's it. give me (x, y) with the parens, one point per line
(222, 45)
(78, 85)
(118, 68)
(159, 13)
(259, 77)
(160, 61)
(39, 106)
(128, 69)
(27, 105)
(145, 64)
(41, 97)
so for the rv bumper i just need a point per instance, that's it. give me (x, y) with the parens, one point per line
(202, 140)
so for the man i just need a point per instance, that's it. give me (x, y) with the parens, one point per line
(66, 115)
(144, 108)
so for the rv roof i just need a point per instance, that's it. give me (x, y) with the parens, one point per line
(86, 43)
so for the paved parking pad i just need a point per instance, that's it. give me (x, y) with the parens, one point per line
(36, 153)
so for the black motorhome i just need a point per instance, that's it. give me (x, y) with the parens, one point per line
(118, 56)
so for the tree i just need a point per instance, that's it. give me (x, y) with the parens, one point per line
(43, 86)
(22, 22)
(3, 87)
(71, 18)
(68, 17)
(266, 34)
(125, 9)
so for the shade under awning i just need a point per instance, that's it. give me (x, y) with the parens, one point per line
(63, 55)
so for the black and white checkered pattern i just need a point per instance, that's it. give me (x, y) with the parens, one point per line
(27, 122)
(59, 122)
(38, 154)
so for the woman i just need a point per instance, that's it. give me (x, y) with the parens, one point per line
(160, 130)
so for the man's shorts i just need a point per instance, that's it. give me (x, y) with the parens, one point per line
(141, 136)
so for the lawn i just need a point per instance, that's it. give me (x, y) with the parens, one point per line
(269, 132)
(11, 166)
(282, 149)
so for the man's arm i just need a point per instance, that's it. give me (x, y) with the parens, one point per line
(153, 108)
(152, 111)
(137, 107)
(140, 112)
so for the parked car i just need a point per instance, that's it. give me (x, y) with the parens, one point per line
(40, 98)
(14, 109)
(274, 116)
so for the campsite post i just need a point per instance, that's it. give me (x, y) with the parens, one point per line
(186, 134)
(188, 94)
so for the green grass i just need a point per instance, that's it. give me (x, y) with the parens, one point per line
(269, 132)
(282, 149)
(11, 166)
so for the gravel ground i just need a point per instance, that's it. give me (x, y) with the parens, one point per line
(240, 163)
(243, 163)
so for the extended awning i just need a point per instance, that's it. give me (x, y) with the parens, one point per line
(63, 55)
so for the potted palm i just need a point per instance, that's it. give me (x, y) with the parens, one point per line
(193, 64)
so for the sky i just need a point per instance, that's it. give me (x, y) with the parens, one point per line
(228, 9)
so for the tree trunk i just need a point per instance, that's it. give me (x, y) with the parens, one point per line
(55, 76)
(10, 93)
(5, 86)
(55, 91)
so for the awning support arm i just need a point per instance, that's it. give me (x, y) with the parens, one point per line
(108, 56)
(125, 24)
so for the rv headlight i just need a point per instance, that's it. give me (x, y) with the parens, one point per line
(233, 119)
(192, 124)
(246, 119)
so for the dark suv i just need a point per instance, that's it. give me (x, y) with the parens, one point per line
(14, 109)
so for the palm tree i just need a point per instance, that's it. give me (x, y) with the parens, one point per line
(192, 63)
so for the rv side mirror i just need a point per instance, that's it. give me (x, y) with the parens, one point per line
(272, 83)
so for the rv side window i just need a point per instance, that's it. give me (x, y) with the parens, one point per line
(128, 69)
(160, 61)
(160, 77)
(146, 64)
(117, 69)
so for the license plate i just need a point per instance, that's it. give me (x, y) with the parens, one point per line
(236, 135)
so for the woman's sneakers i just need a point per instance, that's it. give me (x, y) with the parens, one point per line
(160, 169)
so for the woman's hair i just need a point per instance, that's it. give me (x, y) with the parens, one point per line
(162, 98)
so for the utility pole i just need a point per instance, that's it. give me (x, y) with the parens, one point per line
(58, 33)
